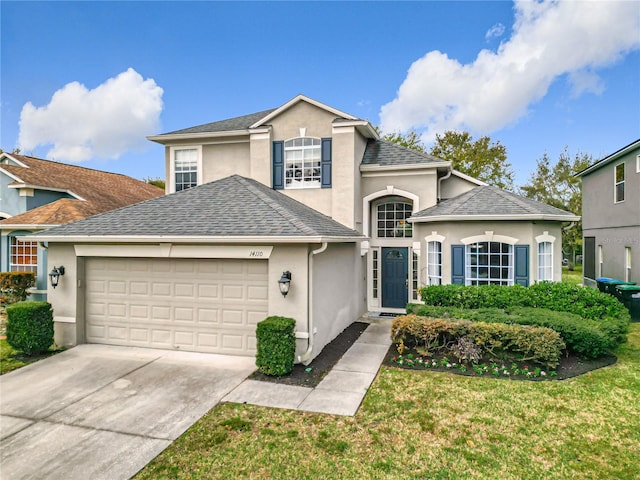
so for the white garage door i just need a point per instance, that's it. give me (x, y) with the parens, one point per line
(184, 304)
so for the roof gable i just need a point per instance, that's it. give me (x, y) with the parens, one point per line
(231, 207)
(294, 101)
(489, 202)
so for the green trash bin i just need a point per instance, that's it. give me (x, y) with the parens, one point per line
(631, 298)
(612, 287)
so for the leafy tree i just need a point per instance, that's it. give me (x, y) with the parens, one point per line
(411, 139)
(481, 158)
(155, 181)
(556, 185)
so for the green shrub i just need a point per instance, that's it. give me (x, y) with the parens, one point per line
(276, 345)
(30, 327)
(14, 286)
(584, 337)
(590, 304)
(429, 335)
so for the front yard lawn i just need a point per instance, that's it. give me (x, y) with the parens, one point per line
(425, 424)
(11, 359)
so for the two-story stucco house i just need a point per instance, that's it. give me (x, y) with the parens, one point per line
(611, 216)
(359, 223)
(37, 194)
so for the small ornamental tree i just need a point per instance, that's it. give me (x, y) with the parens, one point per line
(14, 286)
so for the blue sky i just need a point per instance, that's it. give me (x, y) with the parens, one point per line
(87, 81)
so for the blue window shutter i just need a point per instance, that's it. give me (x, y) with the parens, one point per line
(325, 163)
(457, 264)
(521, 272)
(278, 165)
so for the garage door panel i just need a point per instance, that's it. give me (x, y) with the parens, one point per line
(196, 305)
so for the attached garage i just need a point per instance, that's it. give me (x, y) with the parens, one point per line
(199, 305)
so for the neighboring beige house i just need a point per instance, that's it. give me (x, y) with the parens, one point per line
(361, 224)
(611, 216)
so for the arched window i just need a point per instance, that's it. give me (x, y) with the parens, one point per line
(302, 162)
(392, 214)
(545, 261)
(434, 263)
(489, 263)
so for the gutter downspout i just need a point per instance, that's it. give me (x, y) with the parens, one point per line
(443, 178)
(306, 355)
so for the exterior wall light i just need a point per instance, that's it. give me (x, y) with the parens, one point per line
(284, 283)
(55, 274)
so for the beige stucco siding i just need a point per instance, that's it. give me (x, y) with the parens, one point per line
(454, 232)
(614, 242)
(454, 186)
(222, 160)
(338, 298)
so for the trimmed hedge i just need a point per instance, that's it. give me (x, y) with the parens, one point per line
(428, 335)
(584, 337)
(276, 345)
(30, 327)
(612, 316)
(14, 286)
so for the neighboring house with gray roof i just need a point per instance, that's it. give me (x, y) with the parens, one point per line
(611, 216)
(360, 223)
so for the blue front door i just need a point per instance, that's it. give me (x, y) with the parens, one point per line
(395, 277)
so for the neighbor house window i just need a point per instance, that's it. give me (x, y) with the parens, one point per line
(638, 164)
(627, 264)
(489, 263)
(619, 183)
(302, 163)
(545, 261)
(414, 275)
(376, 273)
(23, 256)
(185, 164)
(434, 263)
(392, 219)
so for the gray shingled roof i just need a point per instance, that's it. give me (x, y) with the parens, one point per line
(236, 123)
(234, 206)
(383, 153)
(489, 201)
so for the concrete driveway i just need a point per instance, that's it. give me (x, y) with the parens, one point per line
(104, 412)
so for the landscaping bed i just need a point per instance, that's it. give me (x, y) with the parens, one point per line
(311, 375)
(571, 365)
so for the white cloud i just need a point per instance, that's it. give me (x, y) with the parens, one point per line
(496, 31)
(550, 39)
(105, 122)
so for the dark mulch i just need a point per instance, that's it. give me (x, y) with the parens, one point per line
(311, 375)
(570, 366)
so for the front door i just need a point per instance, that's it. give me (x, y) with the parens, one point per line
(395, 277)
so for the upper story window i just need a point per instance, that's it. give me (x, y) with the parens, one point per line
(185, 167)
(392, 219)
(302, 163)
(23, 256)
(619, 183)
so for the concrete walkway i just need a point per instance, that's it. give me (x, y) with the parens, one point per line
(340, 392)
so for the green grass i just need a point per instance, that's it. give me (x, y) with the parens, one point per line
(429, 425)
(11, 359)
(572, 277)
